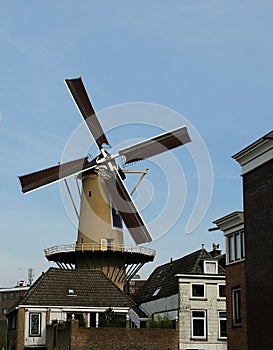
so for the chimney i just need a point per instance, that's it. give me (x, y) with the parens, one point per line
(215, 250)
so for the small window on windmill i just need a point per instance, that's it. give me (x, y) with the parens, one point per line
(90, 194)
(116, 219)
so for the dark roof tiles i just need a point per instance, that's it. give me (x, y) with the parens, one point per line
(163, 281)
(88, 288)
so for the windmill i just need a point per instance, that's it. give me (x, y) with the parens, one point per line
(104, 199)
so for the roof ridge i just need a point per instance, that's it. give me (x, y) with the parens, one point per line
(32, 288)
(200, 257)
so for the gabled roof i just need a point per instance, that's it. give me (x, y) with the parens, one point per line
(163, 281)
(79, 287)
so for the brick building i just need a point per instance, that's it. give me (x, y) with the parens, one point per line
(134, 285)
(9, 297)
(233, 227)
(250, 246)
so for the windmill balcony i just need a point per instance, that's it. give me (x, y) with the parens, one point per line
(93, 247)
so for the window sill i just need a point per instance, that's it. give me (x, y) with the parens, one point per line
(235, 262)
(198, 298)
(237, 325)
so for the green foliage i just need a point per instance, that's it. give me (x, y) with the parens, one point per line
(110, 319)
(161, 322)
(3, 335)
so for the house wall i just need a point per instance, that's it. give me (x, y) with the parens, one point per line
(37, 340)
(162, 306)
(9, 297)
(115, 338)
(211, 303)
(258, 210)
(237, 336)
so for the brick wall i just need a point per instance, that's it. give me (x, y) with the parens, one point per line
(237, 336)
(258, 212)
(117, 338)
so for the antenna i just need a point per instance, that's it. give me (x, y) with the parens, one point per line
(30, 275)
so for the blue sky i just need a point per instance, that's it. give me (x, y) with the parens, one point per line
(209, 60)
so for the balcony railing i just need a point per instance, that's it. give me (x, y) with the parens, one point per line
(93, 247)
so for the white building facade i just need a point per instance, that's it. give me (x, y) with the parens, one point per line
(202, 312)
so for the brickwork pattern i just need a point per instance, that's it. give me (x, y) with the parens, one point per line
(237, 336)
(115, 338)
(258, 209)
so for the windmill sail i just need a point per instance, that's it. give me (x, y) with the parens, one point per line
(156, 145)
(47, 176)
(122, 200)
(82, 101)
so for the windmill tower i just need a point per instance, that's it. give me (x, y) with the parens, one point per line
(105, 201)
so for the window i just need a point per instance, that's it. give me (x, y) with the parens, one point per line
(156, 291)
(5, 296)
(221, 290)
(116, 219)
(198, 324)
(222, 323)
(71, 292)
(11, 295)
(34, 324)
(236, 246)
(198, 290)
(211, 267)
(236, 307)
(17, 295)
(4, 311)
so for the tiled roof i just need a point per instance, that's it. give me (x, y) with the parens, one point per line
(88, 288)
(163, 281)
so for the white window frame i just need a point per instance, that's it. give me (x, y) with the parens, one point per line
(235, 306)
(211, 262)
(198, 297)
(235, 243)
(204, 318)
(219, 323)
(218, 287)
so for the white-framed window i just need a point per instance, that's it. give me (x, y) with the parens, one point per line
(236, 307)
(221, 291)
(235, 246)
(210, 266)
(34, 324)
(199, 324)
(198, 290)
(222, 324)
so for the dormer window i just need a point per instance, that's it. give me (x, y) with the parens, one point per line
(71, 292)
(210, 267)
(156, 292)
